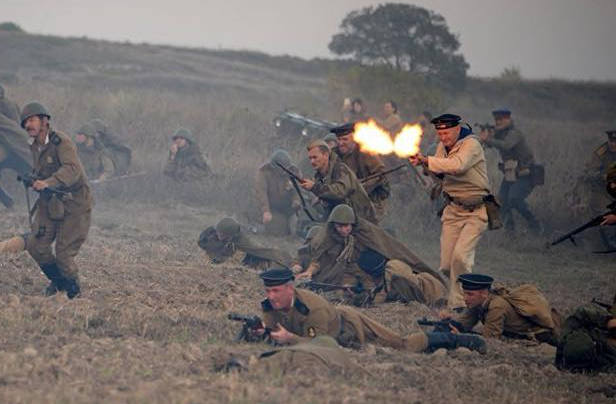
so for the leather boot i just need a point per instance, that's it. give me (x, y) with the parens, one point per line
(449, 341)
(72, 288)
(52, 272)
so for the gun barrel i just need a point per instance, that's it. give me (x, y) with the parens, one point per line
(596, 221)
(376, 175)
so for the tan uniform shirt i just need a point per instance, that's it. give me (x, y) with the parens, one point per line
(274, 191)
(340, 185)
(57, 163)
(499, 318)
(311, 315)
(464, 167)
(364, 165)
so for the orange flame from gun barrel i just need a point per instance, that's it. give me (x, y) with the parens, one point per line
(375, 140)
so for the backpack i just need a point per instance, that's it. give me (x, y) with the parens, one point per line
(530, 303)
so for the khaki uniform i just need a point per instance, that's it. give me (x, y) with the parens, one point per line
(517, 168)
(588, 324)
(275, 194)
(187, 164)
(96, 161)
(465, 218)
(57, 163)
(256, 256)
(378, 261)
(595, 177)
(321, 353)
(312, 315)
(364, 165)
(501, 319)
(340, 185)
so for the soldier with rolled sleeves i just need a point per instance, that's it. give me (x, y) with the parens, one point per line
(63, 218)
(277, 199)
(185, 161)
(363, 165)
(351, 248)
(296, 315)
(335, 183)
(461, 161)
(517, 165)
(499, 314)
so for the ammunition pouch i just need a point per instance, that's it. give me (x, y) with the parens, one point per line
(55, 207)
(493, 211)
(537, 175)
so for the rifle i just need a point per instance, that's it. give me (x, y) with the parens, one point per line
(118, 178)
(361, 295)
(27, 180)
(441, 325)
(356, 289)
(484, 126)
(601, 304)
(294, 178)
(376, 175)
(250, 323)
(595, 221)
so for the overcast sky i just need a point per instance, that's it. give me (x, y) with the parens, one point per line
(573, 39)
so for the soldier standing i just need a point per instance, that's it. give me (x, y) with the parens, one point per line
(277, 199)
(364, 165)
(517, 166)
(595, 177)
(460, 159)
(63, 218)
(185, 161)
(335, 183)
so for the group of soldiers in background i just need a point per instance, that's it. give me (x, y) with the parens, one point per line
(348, 256)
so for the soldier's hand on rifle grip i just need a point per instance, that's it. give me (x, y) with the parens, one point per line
(281, 334)
(258, 331)
(609, 219)
(39, 185)
(307, 184)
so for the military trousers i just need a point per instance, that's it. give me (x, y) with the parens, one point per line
(460, 233)
(402, 284)
(282, 223)
(512, 195)
(359, 329)
(69, 235)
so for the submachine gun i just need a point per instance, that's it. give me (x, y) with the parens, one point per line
(442, 325)
(28, 180)
(249, 324)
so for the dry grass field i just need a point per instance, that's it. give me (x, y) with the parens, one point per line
(151, 324)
